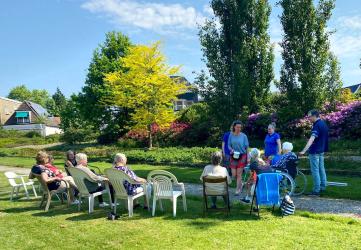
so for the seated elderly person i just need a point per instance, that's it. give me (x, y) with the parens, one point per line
(53, 181)
(288, 160)
(92, 187)
(216, 170)
(257, 166)
(120, 163)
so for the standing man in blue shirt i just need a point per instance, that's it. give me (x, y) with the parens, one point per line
(317, 145)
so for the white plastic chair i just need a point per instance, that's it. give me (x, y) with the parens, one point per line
(12, 177)
(117, 178)
(79, 177)
(163, 185)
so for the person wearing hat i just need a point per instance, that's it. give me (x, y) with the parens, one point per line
(316, 146)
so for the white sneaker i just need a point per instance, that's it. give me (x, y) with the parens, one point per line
(75, 202)
(104, 204)
(113, 204)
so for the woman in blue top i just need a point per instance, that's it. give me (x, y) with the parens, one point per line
(272, 142)
(238, 146)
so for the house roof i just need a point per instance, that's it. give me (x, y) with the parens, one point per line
(10, 100)
(37, 108)
(354, 88)
(54, 121)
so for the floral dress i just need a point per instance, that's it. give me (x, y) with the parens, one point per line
(131, 188)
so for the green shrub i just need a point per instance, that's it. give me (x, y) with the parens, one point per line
(32, 134)
(74, 135)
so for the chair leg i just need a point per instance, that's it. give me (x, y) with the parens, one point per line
(90, 204)
(204, 204)
(26, 192)
(48, 203)
(161, 205)
(12, 194)
(34, 191)
(228, 205)
(184, 203)
(62, 198)
(17, 191)
(130, 206)
(174, 206)
(154, 205)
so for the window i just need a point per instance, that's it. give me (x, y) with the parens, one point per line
(179, 105)
(22, 117)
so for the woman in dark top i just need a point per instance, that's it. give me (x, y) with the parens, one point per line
(46, 175)
(53, 182)
(70, 161)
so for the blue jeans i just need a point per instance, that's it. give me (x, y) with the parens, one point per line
(318, 172)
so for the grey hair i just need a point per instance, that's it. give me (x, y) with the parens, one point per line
(216, 158)
(287, 146)
(119, 157)
(272, 125)
(255, 153)
(80, 157)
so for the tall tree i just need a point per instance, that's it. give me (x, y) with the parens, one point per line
(39, 96)
(95, 95)
(20, 93)
(146, 87)
(333, 86)
(306, 54)
(59, 102)
(239, 58)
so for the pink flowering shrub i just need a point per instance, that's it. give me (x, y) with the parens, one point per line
(160, 135)
(344, 121)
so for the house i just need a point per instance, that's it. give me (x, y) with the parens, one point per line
(354, 88)
(7, 109)
(186, 99)
(30, 116)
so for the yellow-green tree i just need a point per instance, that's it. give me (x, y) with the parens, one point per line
(146, 87)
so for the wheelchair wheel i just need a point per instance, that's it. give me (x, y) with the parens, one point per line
(300, 183)
(287, 185)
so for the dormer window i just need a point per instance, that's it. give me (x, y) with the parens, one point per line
(22, 117)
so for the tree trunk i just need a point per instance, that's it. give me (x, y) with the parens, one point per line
(150, 138)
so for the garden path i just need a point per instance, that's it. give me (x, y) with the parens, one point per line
(313, 204)
(41, 146)
(350, 208)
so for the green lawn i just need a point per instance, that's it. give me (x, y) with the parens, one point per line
(191, 175)
(24, 226)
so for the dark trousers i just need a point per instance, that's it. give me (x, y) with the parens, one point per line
(100, 197)
(214, 200)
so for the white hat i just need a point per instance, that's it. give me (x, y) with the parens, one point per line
(287, 146)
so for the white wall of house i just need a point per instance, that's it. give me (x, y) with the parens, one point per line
(41, 128)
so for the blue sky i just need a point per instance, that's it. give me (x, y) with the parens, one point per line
(49, 43)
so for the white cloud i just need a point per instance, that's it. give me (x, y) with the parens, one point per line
(145, 15)
(350, 22)
(344, 45)
(346, 41)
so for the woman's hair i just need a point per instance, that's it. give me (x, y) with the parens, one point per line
(216, 158)
(272, 125)
(50, 157)
(287, 146)
(255, 153)
(68, 153)
(41, 158)
(80, 157)
(119, 157)
(237, 122)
